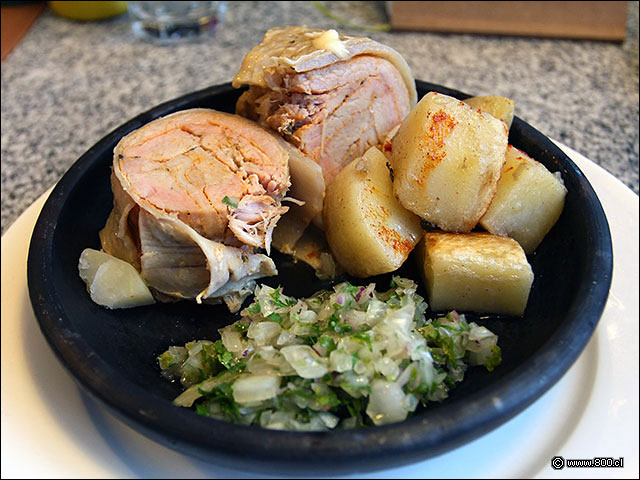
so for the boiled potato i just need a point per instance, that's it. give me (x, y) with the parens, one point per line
(111, 282)
(528, 202)
(500, 107)
(477, 272)
(367, 229)
(446, 160)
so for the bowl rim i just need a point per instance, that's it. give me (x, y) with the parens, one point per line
(418, 437)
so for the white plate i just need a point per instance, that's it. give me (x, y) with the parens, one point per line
(50, 428)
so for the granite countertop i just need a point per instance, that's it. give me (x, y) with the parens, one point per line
(67, 84)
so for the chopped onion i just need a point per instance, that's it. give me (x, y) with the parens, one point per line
(255, 388)
(307, 316)
(232, 339)
(263, 333)
(387, 367)
(305, 361)
(340, 361)
(386, 403)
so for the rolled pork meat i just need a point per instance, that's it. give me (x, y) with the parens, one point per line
(197, 194)
(330, 95)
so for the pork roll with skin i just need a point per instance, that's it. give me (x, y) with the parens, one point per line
(330, 95)
(196, 194)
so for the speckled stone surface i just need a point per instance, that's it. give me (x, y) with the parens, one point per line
(67, 84)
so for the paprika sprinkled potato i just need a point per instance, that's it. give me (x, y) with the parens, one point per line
(447, 158)
(528, 201)
(367, 229)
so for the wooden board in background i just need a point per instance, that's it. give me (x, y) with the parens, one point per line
(583, 20)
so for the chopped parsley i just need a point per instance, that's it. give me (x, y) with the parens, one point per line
(227, 201)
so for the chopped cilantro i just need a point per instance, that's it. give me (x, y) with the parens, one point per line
(364, 338)
(253, 309)
(328, 343)
(339, 326)
(227, 201)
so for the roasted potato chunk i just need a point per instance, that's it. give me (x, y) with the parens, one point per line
(446, 160)
(528, 201)
(500, 107)
(477, 272)
(367, 229)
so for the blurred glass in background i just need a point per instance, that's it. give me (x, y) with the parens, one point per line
(168, 23)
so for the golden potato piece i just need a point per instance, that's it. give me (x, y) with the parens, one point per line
(528, 201)
(477, 272)
(367, 229)
(500, 107)
(446, 160)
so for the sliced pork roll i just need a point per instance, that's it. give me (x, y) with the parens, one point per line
(196, 193)
(330, 95)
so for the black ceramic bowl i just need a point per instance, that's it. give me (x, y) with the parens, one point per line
(112, 354)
